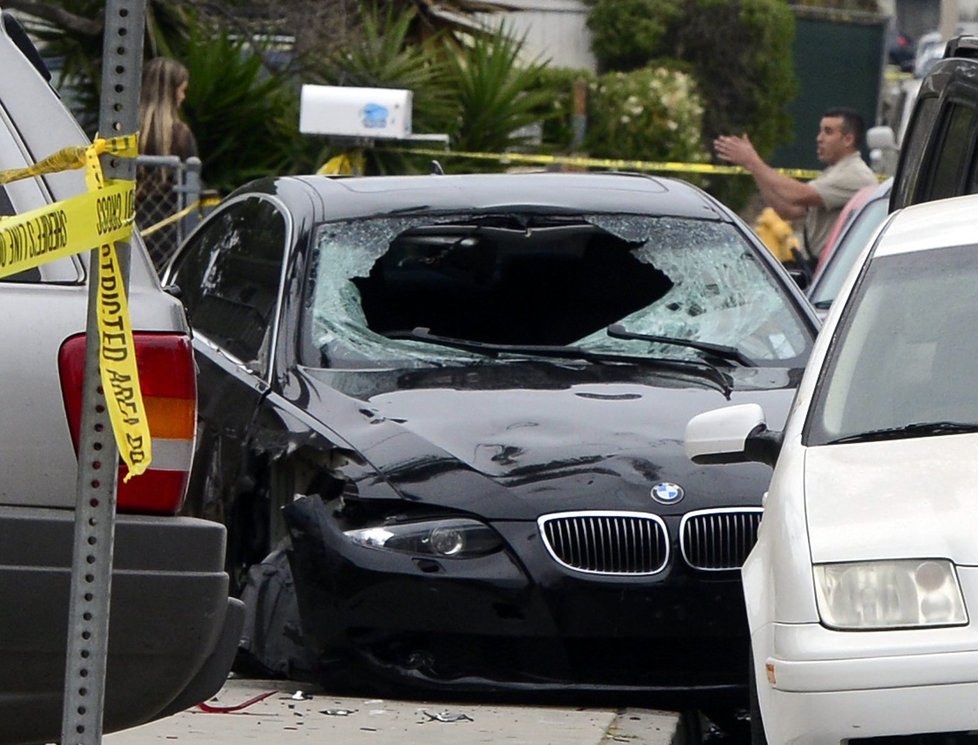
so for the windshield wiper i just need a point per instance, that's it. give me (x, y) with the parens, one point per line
(563, 352)
(917, 429)
(732, 354)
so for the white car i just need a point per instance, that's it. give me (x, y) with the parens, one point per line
(862, 589)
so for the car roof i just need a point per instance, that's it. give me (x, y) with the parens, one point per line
(845, 217)
(930, 225)
(628, 193)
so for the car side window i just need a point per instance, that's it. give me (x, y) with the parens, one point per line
(31, 275)
(971, 186)
(914, 147)
(948, 162)
(228, 275)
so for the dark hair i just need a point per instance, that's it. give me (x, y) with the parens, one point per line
(852, 123)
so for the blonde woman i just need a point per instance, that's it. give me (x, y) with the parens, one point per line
(161, 132)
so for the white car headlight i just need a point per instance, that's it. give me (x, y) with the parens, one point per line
(904, 593)
(451, 538)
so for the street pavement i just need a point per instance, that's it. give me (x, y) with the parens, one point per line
(279, 713)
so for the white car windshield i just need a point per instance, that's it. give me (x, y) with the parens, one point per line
(551, 280)
(905, 359)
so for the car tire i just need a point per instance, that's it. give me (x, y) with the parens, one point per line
(691, 727)
(731, 719)
(757, 736)
(272, 642)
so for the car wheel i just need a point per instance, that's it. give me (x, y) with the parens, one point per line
(691, 727)
(757, 736)
(272, 642)
(731, 720)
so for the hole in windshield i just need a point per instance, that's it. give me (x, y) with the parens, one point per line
(541, 280)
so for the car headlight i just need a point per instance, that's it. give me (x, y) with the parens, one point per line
(904, 593)
(456, 538)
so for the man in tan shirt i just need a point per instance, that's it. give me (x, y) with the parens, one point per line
(820, 200)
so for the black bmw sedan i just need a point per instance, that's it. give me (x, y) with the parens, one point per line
(453, 408)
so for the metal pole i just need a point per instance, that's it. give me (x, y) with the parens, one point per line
(98, 456)
(189, 194)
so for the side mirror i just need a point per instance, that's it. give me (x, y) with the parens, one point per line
(734, 434)
(881, 138)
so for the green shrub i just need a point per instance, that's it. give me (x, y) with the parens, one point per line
(560, 127)
(383, 56)
(626, 34)
(245, 120)
(739, 52)
(653, 113)
(497, 97)
(480, 95)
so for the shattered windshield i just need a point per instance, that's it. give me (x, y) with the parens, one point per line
(541, 280)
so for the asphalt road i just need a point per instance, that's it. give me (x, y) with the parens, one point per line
(279, 713)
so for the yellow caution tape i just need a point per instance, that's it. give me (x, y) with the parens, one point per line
(72, 158)
(344, 164)
(199, 204)
(66, 228)
(117, 365)
(98, 218)
(891, 74)
(610, 163)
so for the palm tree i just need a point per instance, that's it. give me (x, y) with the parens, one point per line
(69, 33)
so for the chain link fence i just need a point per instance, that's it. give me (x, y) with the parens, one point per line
(170, 201)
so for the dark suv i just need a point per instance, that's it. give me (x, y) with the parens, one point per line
(939, 156)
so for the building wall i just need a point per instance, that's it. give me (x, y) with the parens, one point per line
(553, 30)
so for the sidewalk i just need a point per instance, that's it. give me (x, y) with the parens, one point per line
(286, 716)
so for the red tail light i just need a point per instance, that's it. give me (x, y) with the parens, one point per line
(168, 380)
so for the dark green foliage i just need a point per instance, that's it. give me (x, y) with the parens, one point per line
(245, 120)
(384, 57)
(739, 52)
(654, 113)
(76, 53)
(560, 128)
(479, 96)
(626, 34)
(496, 96)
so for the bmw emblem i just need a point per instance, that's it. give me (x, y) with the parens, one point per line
(665, 492)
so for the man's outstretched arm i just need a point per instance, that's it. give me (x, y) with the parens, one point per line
(788, 197)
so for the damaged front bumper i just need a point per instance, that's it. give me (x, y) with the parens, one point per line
(513, 619)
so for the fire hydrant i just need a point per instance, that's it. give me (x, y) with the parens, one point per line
(777, 235)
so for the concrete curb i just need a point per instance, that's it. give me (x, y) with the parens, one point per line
(645, 727)
(285, 715)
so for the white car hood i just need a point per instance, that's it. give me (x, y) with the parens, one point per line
(914, 498)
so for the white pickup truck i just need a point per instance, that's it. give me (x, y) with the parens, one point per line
(173, 629)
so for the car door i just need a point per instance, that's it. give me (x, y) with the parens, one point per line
(944, 173)
(939, 153)
(229, 276)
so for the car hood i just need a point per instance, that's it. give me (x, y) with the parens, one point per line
(910, 498)
(539, 438)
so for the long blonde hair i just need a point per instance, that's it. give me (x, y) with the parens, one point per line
(158, 107)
